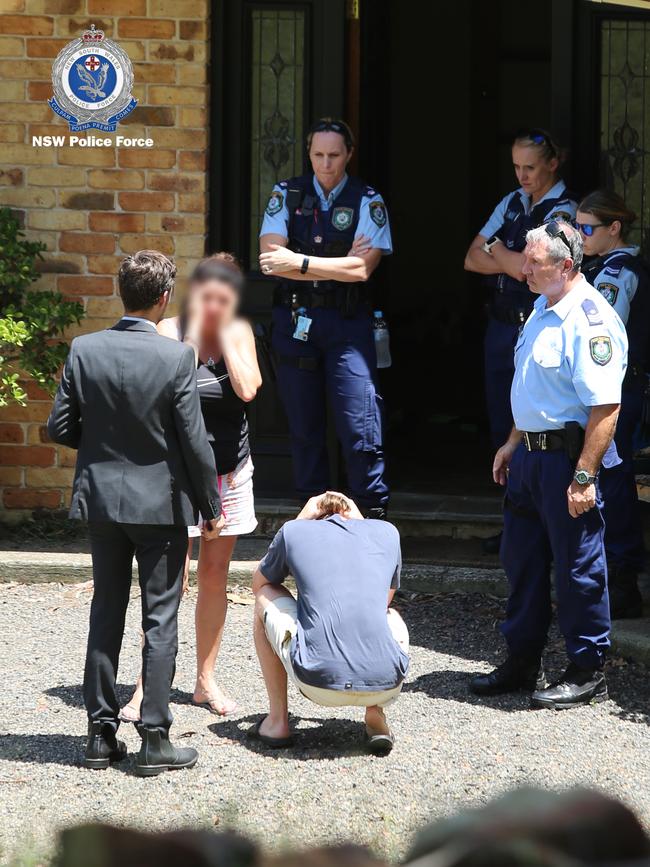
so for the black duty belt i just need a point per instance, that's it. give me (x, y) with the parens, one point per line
(570, 438)
(346, 298)
(508, 315)
(544, 441)
(635, 378)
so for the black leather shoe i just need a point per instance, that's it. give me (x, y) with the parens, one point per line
(514, 674)
(576, 686)
(379, 513)
(625, 600)
(158, 754)
(492, 544)
(102, 746)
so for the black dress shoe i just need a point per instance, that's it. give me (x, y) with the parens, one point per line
(625, 600)
(515, 674)
(158, 754)
(492, 544)
(576, 686)
(102, 746)
(379, 513)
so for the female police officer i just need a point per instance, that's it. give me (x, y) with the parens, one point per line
(323, 235)
(619, 273)
(497, 253)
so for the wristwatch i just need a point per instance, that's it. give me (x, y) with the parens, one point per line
(582, 477)
(305, 265)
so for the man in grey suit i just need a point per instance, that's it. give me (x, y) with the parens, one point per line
(128, 403)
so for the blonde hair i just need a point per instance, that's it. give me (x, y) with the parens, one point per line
(543, 142)
(332, 504)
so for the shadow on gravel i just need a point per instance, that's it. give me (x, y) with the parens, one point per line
(49, 749)
(315, 738)
(465, 626)
(72, 694)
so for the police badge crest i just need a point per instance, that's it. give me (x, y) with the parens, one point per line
(378, 213)
(609, 292)
(342, 218)
(92, 79)
(601, 349)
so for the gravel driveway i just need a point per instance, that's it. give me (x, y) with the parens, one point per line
(452, 749)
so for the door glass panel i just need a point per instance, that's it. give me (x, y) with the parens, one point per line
(277, 106)
(625, 118)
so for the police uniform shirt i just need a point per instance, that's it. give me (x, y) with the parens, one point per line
(373, 216)
(569, 357)
(565, 209)
(618, 284)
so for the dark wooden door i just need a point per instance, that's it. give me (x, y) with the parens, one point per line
(275, 67)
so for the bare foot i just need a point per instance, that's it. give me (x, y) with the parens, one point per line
(275, 728)
(376, 721)
(214, 699)
(131, 711)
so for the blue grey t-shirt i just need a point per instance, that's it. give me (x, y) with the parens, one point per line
(343, 569)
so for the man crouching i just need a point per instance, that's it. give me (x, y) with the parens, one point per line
(338, 642)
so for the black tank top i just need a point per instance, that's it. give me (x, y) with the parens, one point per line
(224, 415)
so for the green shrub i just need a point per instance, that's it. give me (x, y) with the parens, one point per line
(31, 323)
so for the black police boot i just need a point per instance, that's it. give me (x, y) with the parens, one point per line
(492, 544)
(625, 600)
(576, 686)
(379, 513)
(158, 754)
(102, 746)
(516, 673)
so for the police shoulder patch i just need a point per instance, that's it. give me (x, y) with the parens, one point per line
(600, 349)
(609, 292)
(275, 203)
(591, 312)
(378, 213)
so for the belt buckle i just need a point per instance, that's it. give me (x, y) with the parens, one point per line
(542, 442)
(527, 441)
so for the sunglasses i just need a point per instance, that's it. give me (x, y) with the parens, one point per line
(333, 126)
(538, 137)
(554, 230)
(587, 229)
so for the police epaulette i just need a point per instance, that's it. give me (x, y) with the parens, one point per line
(591, 312)
(369, 191)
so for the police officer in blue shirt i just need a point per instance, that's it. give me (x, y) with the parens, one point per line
(323, 235)
(570, 360)
(617, 271)
(496, 252)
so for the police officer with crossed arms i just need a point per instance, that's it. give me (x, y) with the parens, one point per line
(570, 360)
(323, 235)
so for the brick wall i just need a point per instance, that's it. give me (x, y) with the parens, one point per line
(90, 206)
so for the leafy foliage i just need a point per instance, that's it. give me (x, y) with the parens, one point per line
(31, 323)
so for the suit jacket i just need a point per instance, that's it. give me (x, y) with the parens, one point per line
(128, 402)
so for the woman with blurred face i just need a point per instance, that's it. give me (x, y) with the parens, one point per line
(228, 377)
(620, 274)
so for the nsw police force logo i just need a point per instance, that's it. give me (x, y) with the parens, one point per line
(92, 79)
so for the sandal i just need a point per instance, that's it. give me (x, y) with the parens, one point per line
(273, 743)
(214, 707)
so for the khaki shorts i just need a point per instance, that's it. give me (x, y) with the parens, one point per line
(281, 624)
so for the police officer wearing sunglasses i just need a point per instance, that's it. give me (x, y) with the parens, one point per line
(323, 235)
(496, 252)
(621, 275)
(570, 361)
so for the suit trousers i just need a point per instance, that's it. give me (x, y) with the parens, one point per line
(160, 552)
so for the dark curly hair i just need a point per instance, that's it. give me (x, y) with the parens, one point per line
(143, 279)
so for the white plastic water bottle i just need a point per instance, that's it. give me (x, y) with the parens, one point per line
(382, 339)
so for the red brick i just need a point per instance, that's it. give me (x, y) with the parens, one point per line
(11, 433)
(85, 285)
(117, 7)
(11, 177)
(26, 456)
(193, 161)
(182, 183)
(34, 391)
(22, 498)
(146, 201)
(45, 47)
(39, 90)
(146, 28)
(192, 30)
(29, 25)
(81, 242)
(99, 222)
(146, 158)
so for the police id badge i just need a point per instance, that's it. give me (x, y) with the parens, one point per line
(303, 324)
(92, 78)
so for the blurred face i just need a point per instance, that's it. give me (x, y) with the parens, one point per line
(544, 277)
(535, 174)
(217, 302)
(601, 238)
(329, 158)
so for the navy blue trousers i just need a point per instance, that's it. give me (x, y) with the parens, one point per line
(538, 530)
(342, 368)
(623, 529)
(499, 346)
